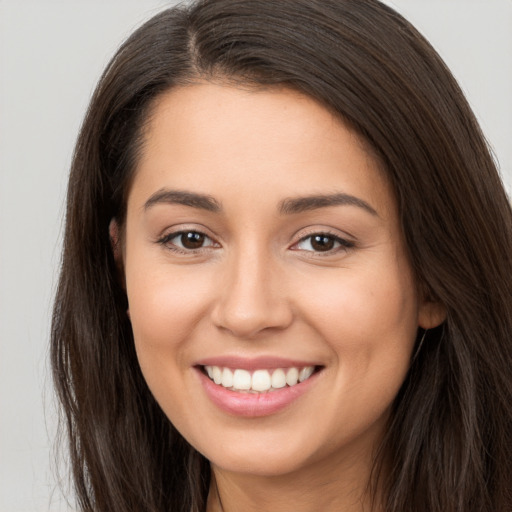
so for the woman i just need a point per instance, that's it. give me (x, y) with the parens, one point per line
(286, 273)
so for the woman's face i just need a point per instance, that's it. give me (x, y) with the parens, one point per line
(262, 243)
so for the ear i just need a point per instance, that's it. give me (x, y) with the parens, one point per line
(431, 314)
(113, 231)
(117, 250)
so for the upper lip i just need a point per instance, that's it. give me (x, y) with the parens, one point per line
(254, 363)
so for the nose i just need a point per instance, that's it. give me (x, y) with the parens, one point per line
(252, 296)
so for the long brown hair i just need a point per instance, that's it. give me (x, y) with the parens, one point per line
(449, 442)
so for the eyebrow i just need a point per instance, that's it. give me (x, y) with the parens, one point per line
(288, 206)
(302, 204)
(192, 199)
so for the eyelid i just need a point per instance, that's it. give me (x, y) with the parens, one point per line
(175, 231)
(319, 229)
(185, 227)
(346, 241)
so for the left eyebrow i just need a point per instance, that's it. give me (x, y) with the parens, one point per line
(302, 204)
(185, 198)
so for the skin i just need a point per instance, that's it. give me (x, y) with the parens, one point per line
(258, 287)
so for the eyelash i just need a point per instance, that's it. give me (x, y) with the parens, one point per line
(166, 242)
(344, 245)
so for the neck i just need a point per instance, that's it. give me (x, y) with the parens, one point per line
(343, 486)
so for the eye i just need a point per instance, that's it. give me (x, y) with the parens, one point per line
(323, 242)
(187, 241)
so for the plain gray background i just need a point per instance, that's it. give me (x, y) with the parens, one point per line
(51, 55)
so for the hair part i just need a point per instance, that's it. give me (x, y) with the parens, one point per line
(449, 443)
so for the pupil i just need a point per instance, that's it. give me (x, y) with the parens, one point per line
(192, 240)
(322, 243)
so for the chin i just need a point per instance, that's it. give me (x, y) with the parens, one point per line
(259, 464)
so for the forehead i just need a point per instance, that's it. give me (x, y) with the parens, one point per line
(267, 112)
(216, 137)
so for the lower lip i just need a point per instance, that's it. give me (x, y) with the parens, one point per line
(252, 405)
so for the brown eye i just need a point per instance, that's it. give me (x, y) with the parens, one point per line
(192, 240)
(183, 241)
(322, 242)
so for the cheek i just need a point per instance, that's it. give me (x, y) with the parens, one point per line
(369, 318)
(164, 301)
(166, 305)
(369, 322)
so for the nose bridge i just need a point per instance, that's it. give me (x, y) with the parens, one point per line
(253, 295)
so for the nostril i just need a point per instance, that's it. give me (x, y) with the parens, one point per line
(247, 323)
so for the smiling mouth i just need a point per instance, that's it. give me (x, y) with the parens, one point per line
(258, 381)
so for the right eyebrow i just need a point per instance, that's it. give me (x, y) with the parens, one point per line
(183, 197)
(307, 203)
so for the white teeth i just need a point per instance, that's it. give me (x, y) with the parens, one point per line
(278, 379)
(227, 378)
(260, 380)
(242, 379)
(292, 376)
(305, 373)
(217, 375)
